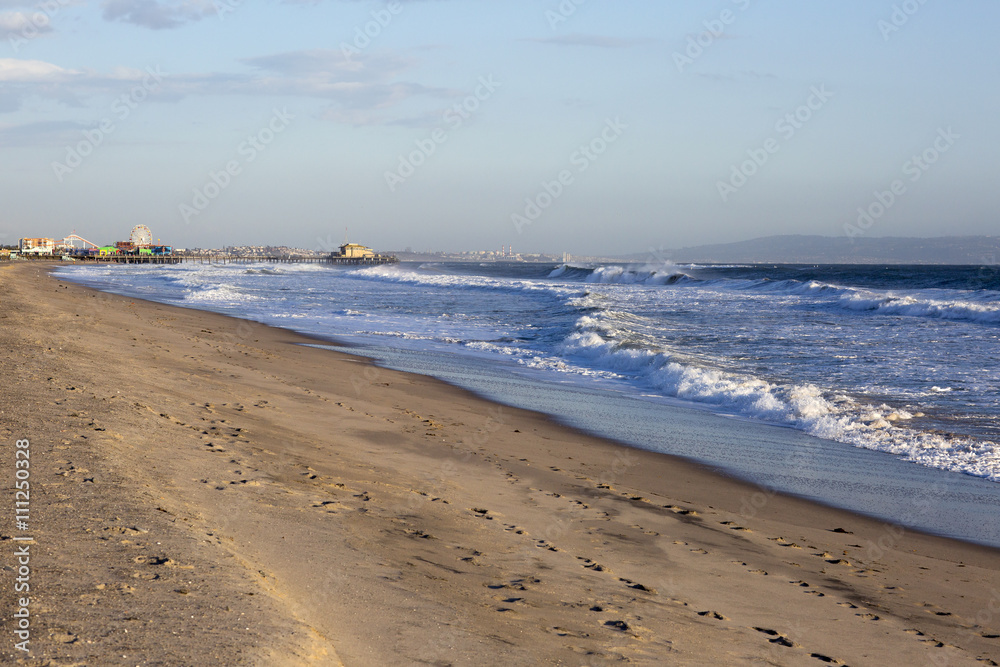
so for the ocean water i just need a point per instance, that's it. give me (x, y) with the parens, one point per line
(885, 376)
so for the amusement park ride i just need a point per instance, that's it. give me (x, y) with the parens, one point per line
(140, 243)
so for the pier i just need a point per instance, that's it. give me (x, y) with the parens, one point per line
(349, 261)
(209, 259)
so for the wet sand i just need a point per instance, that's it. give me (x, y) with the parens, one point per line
(227, 495)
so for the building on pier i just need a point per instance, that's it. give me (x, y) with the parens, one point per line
(355, 253)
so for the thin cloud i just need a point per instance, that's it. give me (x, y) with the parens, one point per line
(577, 39)
(19, 23)
(15, 70)
(354, 87)
(331, 65)
(716, 36)
(168, 14)
(55, 133)
(738, 76)
(158, 15)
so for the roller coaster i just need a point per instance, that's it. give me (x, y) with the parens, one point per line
(71, 240)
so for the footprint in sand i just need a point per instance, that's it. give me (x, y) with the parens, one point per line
(153, 560)
(418, 534)
(638, 587)
(621, 626)
(331, 506)
(471, 558)
(564, 632)
(713, 614)
(777, 638)
(592, 565)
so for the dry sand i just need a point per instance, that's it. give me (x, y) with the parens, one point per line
(208, 491)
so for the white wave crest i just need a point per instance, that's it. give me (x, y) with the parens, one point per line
(805, 407)
(984, 313)
(665, 275)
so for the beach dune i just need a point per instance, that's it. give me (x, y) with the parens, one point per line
(212, 491)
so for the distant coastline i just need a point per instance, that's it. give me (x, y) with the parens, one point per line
(812, 249)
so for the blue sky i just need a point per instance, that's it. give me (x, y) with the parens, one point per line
(582, 126)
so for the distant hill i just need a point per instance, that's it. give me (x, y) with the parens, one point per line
(800, 249)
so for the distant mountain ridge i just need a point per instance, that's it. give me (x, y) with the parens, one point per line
(805, 249)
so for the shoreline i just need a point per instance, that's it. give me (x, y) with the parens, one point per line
(703, 413)
(856, 476)
(501, 528)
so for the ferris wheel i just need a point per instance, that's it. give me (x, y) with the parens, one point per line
(141, 236)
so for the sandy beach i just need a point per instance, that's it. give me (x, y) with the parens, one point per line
(211, 491)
